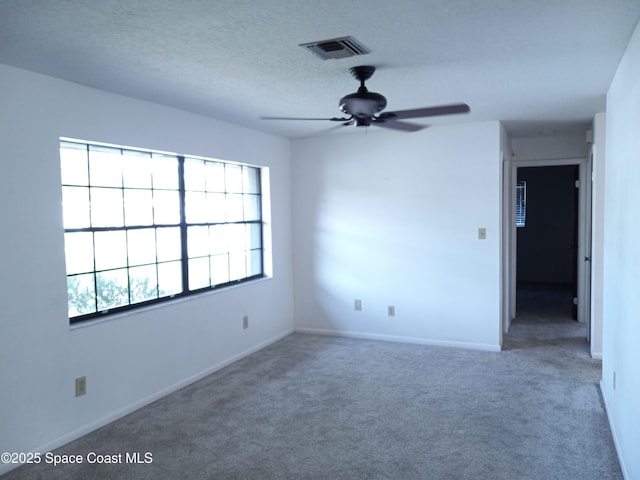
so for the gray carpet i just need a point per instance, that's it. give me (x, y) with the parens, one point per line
(313, 407)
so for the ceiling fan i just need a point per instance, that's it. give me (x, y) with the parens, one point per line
(364, 108)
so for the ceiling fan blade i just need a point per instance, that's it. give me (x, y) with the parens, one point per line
(332, 119)
(428, 111)
(395, 125)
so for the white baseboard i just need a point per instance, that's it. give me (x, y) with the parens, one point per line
(115, 415)
(596, 355)
(612, 426)
(401, 339)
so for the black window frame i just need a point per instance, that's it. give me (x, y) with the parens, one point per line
(253, 226)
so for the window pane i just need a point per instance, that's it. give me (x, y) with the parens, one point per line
(250, 180)
(75, 207)
(78, 249)
(219, 269)
(237, 266)
(254, 262)
(194, 174)
(198, 241)
(233, 178)
(196, 207)
(136, 168)
(218, 239)
(106, 207)
(255, 235)
(141, 245)
(251, 207)
(74, 164)
(234, 208)
(237, 237)
(198, 273)
(168, 244)
(169, 278)
(214, 176)
(105, 167)
(81, 294)
(166, 207)
(113, 290)
(138, 207)
(164, 171)
(111, 249)
(216, 207)
(143, 283)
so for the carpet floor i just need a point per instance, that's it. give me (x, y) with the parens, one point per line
(314, 407)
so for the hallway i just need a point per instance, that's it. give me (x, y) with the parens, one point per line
(545, 325)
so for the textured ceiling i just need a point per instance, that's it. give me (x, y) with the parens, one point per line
(542, 65)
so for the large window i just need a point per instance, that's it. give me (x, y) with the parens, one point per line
(143, 227)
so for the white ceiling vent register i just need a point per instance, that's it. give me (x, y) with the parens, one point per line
(336, 48)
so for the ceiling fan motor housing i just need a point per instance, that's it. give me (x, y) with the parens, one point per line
(363, 104)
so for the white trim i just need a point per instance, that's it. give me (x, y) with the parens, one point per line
(548, 162)
(399, 339)
(583, 221)
(508, 218)
(117, 414)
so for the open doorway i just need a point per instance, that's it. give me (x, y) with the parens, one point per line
(547, 242)
(549, 281)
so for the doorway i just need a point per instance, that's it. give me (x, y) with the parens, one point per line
(570, 272)
(547, 241)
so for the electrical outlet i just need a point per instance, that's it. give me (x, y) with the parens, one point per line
(245, 322)
(482, 233)
(358, 305)
(81, 386)
(391, 311)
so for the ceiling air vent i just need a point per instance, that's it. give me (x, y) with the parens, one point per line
(336, 48)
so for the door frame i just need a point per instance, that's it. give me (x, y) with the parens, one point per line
(584, 236)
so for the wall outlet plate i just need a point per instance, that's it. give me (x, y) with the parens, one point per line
(245, 322)
(81, 386)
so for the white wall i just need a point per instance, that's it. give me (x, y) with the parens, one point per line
(392, 219)
(135, 358)
(621, 301)
(550, 147)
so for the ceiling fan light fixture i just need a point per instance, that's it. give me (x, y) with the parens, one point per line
(363, 121)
